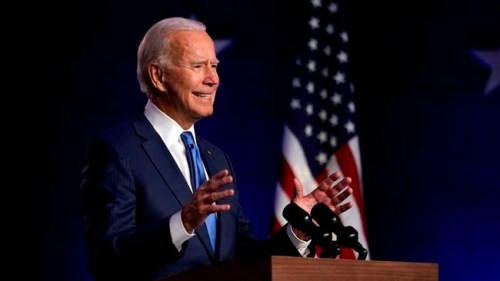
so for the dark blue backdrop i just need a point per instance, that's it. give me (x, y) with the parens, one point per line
(429, 134)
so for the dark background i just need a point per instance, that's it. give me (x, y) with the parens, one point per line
(429, 133)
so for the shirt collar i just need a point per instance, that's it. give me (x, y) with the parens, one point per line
(167, 128)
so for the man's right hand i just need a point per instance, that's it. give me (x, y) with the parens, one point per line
(204, 200)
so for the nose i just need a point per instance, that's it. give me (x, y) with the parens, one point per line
(211, 76)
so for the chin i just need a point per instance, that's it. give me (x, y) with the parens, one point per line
(204, 114)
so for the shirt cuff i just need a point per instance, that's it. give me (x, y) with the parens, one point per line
(178, 232)
(301, 245)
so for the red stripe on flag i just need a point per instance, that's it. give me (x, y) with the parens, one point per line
(347, 254)
(348, 166)
(286, 180)
(287, 185)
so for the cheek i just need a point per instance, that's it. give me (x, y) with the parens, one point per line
(182, 84)
(190, 82)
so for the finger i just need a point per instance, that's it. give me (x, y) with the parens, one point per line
(342, 208)
(334, 176)
(220, 179)
(215, 196)
(216, 208)
(222, 175)
(207, 209)
(326, 184)
(339, 187)
(299, 188)
(211, 197)
(342, 195)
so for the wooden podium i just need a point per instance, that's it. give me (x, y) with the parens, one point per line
(281, 268)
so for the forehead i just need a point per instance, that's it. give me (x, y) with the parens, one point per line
(193, 41)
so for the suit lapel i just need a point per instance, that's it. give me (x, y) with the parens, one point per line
(168, 169)
(215, 161)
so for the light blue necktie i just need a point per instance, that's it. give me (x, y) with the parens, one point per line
(197, 178)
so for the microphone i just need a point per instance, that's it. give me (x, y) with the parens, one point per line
(301, 220)
(347, 236)
(324, 238)
(326, 217)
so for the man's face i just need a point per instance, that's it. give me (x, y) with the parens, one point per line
(191, 80)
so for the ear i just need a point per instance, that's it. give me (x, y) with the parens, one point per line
(157, 77)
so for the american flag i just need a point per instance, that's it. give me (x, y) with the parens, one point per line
(320, 132)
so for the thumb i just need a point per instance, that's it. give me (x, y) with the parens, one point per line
(299, 189)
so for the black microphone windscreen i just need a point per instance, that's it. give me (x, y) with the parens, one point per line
(298, 218)
(326, 217)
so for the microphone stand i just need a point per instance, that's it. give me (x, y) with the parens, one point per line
(348, 237)
(323, 238)
(320, 236)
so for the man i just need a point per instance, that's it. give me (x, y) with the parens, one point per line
(144, 217)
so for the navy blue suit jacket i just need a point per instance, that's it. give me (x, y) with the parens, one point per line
(131, 187)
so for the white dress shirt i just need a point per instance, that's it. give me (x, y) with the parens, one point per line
(170, 133)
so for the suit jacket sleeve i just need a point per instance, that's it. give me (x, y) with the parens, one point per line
(109, 198)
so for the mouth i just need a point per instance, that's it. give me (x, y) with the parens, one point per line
(202, 95)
